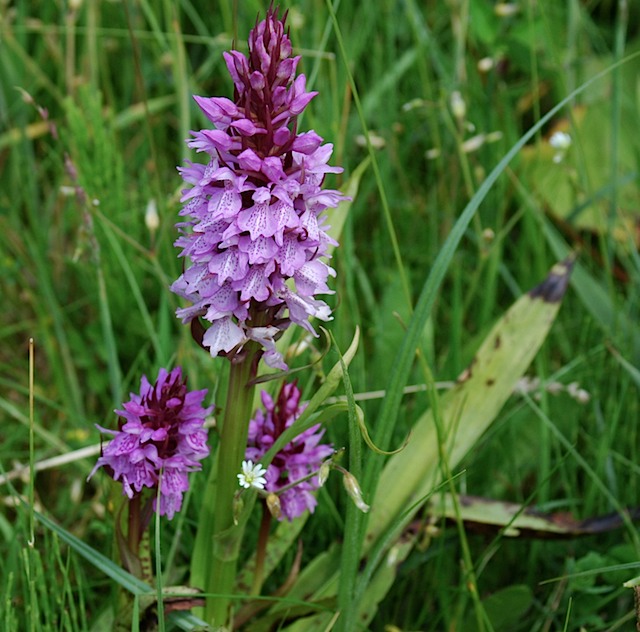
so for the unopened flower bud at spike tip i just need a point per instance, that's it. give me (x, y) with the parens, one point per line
(353, 489)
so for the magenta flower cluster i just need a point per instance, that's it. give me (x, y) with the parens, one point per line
(255, 236)
(299, 458)
(160, 438)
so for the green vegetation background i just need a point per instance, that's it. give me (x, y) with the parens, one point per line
(94, 106)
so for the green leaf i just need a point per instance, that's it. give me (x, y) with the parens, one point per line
(468, 409)
(487, 515)
(336, 217)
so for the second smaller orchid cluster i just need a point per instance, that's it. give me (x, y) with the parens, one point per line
(299, 468)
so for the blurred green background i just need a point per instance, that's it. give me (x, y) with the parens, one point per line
(95, 103)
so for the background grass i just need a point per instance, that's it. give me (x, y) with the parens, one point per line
(94, 106)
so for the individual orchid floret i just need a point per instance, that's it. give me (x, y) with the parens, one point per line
(255, 238)
(160, 439)
(292, 467)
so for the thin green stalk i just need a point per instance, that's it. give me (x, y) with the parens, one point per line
(31, 552)
(261, 550)
(533, 64)
(70, 52)
(114, 369)
(622, 19)
(395, 247)
(470, 579)
(226, 537)
(354, 524)
(32, 453)
(180, 74)
(92, 43)
(460, 26)
(158, 550)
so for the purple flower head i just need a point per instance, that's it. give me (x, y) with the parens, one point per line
(255, 234)
(299, 458)
(160, 437)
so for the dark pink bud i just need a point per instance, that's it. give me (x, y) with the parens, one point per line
(257, 81)
(307, 142)
(217, 109)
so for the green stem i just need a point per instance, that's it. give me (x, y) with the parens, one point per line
(226, 536)
(261, 550)
(133, 525)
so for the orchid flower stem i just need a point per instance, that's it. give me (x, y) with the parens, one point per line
(133, 524)
(227, 536)
(261, 550)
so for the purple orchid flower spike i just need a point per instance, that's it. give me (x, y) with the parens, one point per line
(160, 439)
(255, 234)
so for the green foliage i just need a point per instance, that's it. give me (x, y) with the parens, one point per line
(81, 273)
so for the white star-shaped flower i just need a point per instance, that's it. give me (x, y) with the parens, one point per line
(252, 475)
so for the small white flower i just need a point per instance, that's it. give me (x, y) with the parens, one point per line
(560, 140)
(252, 475)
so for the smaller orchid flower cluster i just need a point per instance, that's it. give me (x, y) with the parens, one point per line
(292, 466)
(255, 237)
(160, 439)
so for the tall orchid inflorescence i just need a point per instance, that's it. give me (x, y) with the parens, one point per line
(160, 439)
(255, 235)
(292, 465)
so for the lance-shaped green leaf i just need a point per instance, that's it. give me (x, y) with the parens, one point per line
(489, 516)
(337, 216)
(468, 409)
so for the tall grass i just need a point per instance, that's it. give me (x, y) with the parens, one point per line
(83, 274)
